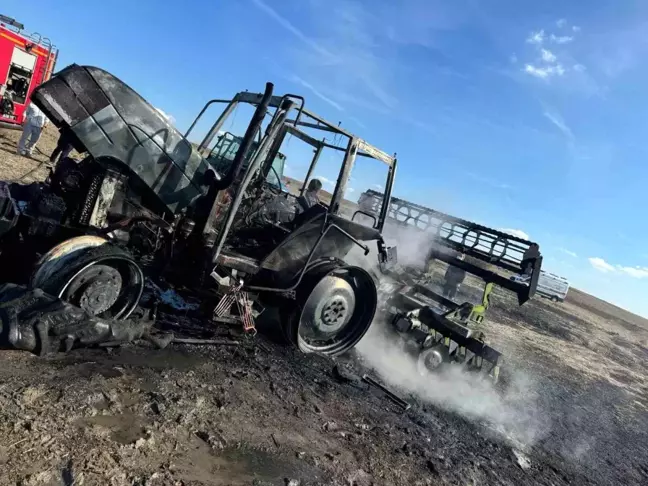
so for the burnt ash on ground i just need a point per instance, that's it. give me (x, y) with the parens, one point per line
(261, 413)
(233, 415)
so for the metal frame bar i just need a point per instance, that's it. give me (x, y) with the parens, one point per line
(260, 156)
(311, 169)
(343, 176)
(307, 119)
(365, 149)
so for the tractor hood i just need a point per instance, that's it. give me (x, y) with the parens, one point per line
(113, 123)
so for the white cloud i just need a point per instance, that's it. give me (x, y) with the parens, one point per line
(576, 28)
(561, 39)
(544, 72)
(601, 265)
(350, 190)
(548, 56)
(558, 121)
(349, 59)
(634, 272)
(170, 119)
(357, 122)
(536, 38)
(492, 182)
(317, 93)
(513, 59)
(515, 232)
(286, 24)
(378, 186)
(569, 252)
(548, 63)
(536, 71)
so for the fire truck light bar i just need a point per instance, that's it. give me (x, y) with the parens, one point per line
(12, 22)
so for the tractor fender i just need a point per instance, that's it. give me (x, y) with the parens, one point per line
(50, 266)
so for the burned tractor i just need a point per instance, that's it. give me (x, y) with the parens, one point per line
(437, 330)
(145, 203)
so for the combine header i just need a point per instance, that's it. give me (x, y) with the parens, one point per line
(438, 330)
(26, 61)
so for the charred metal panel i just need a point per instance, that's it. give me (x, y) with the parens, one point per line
(357, 230)
(374, 152)
(114, 122)
(238, 262)
(292, 253)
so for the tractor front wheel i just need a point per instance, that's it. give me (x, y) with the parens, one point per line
(93, 274)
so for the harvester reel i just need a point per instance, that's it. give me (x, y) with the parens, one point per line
(93, 274)
(335, 307)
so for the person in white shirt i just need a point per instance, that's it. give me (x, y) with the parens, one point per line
(35, 120)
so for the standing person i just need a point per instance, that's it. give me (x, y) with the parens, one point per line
(454, 277)
(35, 120)
(63, 146)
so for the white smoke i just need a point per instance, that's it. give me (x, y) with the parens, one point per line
(512, 413)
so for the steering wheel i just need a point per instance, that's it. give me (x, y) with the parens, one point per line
(271, 186)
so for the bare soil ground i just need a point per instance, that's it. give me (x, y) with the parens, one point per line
(263, 414)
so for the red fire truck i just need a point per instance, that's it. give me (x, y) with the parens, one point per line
(26, 60)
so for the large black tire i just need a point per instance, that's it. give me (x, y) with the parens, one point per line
(334, 308)
(97, 276)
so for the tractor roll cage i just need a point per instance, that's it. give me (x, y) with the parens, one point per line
(306, 119)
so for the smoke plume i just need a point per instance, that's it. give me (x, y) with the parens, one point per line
(512, 412)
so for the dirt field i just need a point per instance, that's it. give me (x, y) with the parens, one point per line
(576, 411)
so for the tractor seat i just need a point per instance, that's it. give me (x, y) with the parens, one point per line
(305, 216)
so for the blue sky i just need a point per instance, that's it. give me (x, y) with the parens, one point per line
(516, 114)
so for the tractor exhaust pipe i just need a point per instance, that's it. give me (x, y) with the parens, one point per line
(248, 139)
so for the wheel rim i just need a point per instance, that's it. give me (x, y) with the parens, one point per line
(337, 311)
(430, 360)
(329, 307)
(96, 289)
(108, 287)
(77, 270)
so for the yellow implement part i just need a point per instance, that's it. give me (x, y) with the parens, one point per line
(478, 311)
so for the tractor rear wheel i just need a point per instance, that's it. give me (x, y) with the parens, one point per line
(93, 274)
(336, 305)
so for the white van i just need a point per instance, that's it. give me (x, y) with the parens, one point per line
(550, 285)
